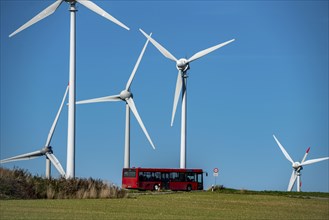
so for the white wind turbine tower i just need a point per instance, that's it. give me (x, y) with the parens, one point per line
(181, 85)
(126, 96)
(70, 169)
(297, 166)
(46, 150)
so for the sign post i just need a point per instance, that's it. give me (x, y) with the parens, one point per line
(215, 174)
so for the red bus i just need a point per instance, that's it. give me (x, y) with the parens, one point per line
(159, 178)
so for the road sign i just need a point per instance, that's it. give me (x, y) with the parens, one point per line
(215, 170)
(215, 174)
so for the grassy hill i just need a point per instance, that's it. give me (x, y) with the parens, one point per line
(177, 205)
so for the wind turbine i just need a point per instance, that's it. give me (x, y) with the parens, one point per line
(297, 166)
(70, 169)
(46, 150)
(126, 96)
(181, 85)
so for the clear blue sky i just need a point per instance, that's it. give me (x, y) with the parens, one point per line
(272, 80)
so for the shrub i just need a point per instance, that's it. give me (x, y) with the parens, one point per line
(19, 184)
(216, 188)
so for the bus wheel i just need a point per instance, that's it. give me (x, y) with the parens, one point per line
(156, 187)
(189, 188)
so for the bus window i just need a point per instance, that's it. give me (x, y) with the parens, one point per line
(141, 176)
(165, 176)
(174, 176)
(190, 177)
(129, 173)
(181, 177)
(157, 176)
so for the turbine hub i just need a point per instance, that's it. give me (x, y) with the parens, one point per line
(182, 64)
(47, 149)
(296, 165)
(125, 94)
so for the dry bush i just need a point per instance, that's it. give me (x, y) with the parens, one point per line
(19, 184)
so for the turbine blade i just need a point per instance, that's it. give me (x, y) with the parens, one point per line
(136, 65)
(313, 161)
(292, 180)
(92, 6)
(283, 150)
(209, 50)
(133, 108)
(163, 50)
(178, 90)
(26, 156)
(102, 99)
(52, 129)
(45, 13)
(304, 158)
(56, 163)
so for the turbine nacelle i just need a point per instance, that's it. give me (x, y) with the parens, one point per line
(125, 94)
(182, 64)
(47, 149)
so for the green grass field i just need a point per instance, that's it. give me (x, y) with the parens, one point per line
(181, 205)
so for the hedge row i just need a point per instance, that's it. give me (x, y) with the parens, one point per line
(20, 184)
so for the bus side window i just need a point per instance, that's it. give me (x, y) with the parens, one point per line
(141, 176)
(148, 176)
(182, 177)
(174, 176)
(165, 176)
(157, 176)
(190, 177)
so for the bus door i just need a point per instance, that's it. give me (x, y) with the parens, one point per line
(200, 181)
(164, 180)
